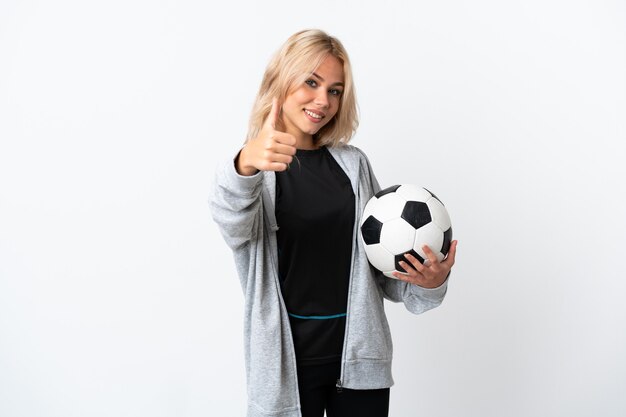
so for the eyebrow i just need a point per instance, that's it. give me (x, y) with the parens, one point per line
(337, 83)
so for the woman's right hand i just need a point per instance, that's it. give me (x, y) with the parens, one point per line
(271, 150)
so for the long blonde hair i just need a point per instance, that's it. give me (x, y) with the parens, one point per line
(290, 67)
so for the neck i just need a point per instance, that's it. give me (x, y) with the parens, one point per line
(305, 142)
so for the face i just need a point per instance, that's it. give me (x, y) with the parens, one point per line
(313, 104)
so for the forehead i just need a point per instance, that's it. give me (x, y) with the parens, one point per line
(331, 70)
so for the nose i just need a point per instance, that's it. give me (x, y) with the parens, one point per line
(321, 99)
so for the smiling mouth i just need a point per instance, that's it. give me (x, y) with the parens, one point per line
(314, 115)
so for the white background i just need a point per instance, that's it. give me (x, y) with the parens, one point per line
(118, 296)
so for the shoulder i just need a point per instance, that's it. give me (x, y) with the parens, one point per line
(354, 161)
(349, 151)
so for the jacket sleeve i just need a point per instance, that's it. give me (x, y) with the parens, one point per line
(415, 298)
(235, 202)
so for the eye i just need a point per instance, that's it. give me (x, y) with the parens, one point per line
(311, 83)
(335, 92)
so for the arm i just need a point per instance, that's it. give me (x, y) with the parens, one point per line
(235, 200)
(235, 203)
(418, 295)
(416, 299)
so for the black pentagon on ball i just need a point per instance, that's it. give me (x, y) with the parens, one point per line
(398, 258)
(370, 230)
(387, 190)
(416, 214)
(447, 239)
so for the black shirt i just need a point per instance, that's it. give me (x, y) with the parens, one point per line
(315, 210)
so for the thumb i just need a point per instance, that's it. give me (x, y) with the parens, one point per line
(272, 118)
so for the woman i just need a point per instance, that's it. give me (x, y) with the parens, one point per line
(288, 205)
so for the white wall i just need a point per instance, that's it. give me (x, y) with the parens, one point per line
(118, 297)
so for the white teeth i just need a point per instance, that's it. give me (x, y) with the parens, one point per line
(317, 116)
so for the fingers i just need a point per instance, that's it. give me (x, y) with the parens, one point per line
(276, 166)
(451, 254)
(279, 147)
(412, 275)
(431, 273)
(430, 255)
(286, 139)
(275, 162)
(413, 269)
(401, 276)
(287, 149)
(279, 157)
(272, 149)
(272, 118)
(415, 263)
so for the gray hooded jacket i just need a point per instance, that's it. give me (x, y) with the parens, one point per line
(243, 208)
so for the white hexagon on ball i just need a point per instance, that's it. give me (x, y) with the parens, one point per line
(389, 207)
(411, 192)
(380, 257)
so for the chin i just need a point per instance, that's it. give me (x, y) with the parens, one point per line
(316, 129)
(311, 131)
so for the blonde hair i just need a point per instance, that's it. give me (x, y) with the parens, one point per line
(290, 67)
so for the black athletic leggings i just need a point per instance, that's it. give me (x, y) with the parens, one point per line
(318, 392)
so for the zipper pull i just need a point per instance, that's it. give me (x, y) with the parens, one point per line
(339, 388)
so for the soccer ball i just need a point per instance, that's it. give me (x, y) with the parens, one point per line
(401, 219)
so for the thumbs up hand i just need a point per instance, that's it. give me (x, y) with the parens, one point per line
(271, 150)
